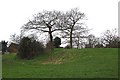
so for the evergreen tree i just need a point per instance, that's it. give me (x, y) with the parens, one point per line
(4, 47)
(57, 42)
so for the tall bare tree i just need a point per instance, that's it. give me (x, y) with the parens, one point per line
(45, 21)
(91, 40)
(72, 22)
(79, 37)
(110, 38)
(51, 21)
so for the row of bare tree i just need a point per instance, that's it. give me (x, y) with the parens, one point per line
(109, 39)
(70, 25)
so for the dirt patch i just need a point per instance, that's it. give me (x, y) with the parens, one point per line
(54, 59)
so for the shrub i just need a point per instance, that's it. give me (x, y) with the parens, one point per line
(4, 47)
(57, 42)
(28, 48)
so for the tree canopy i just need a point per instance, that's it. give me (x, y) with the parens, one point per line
(51, 21)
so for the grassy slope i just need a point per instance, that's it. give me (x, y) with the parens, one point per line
(0, 66)
(65, 63)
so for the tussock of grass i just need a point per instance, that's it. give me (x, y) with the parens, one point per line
(64, 63)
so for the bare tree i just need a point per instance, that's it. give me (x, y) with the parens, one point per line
(72, 23)
(15, 38)
(79, 37)
(51, 21)
(45, 21)
(98, 43)
(110, 38)
(91, 41)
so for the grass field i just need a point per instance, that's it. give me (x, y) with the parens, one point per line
(64, 63)
(0, 66)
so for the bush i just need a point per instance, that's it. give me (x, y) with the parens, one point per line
(4, 47)
(28, 48)
(57, 42)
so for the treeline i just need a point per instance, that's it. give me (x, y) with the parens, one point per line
(69, 25)
(109, 39)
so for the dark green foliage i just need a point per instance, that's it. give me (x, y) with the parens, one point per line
(28, 48)
(57, 42)
(4, 47)
(0, 46)
(119, 44)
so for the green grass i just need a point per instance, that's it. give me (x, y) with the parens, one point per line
(64, 63)
(0, 66)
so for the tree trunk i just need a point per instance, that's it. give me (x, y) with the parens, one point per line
(51, 37)
(78, 43)
(50, 34)
(71, 39)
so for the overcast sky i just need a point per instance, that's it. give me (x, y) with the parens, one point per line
(101, 14)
